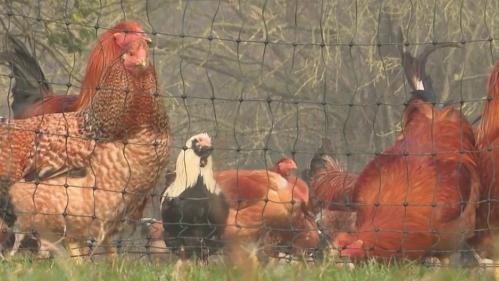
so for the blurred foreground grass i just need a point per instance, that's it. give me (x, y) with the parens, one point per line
(122, 269)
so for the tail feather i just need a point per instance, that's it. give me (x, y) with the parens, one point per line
(331, 186)
(30, 86)
(488, 130)
(319, 162)
(323, 160)
(494, 81)
(50, 104)
(414, 68)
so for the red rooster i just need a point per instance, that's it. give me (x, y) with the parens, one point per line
(33, 96)
(105, 139)
(419, 196)
(16, 144)
(487, 135)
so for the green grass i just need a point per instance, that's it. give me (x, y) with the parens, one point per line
(122, 269)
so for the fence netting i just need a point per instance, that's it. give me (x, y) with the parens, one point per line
(273, 79)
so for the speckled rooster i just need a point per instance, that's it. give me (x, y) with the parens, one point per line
(75, 176)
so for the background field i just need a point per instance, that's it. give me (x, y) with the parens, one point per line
(268, 78)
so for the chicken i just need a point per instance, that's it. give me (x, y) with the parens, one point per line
(119, 140)
(265, 207)
(33, 96)
(331, 189)
(286, 239)
(331, 186)
(419, 196)
(285, 167)
(487, 135)
(102, 58)
(153, 231)
(193, 209)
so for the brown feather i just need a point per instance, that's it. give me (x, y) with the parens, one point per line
(487, 135)
(419, 195)
(332, 187)
(51, 104)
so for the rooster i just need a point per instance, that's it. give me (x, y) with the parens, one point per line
(487, 135)
(266, 207)
(119, 140)
(33, 96)
(112, 47)
(193, 209)
(419, 196)
(331, 188)
(331, 185)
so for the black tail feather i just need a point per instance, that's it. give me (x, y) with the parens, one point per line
(30, 85)
(414, 68)
(317, 162)
(7, 214)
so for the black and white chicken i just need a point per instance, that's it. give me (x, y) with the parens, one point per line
(193, 209)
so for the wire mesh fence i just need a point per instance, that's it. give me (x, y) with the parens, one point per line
(268, 79)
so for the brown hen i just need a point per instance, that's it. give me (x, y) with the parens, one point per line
(265, 207)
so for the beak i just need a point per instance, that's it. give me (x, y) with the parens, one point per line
(205, 151)
(142, 63)
(147, 39)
